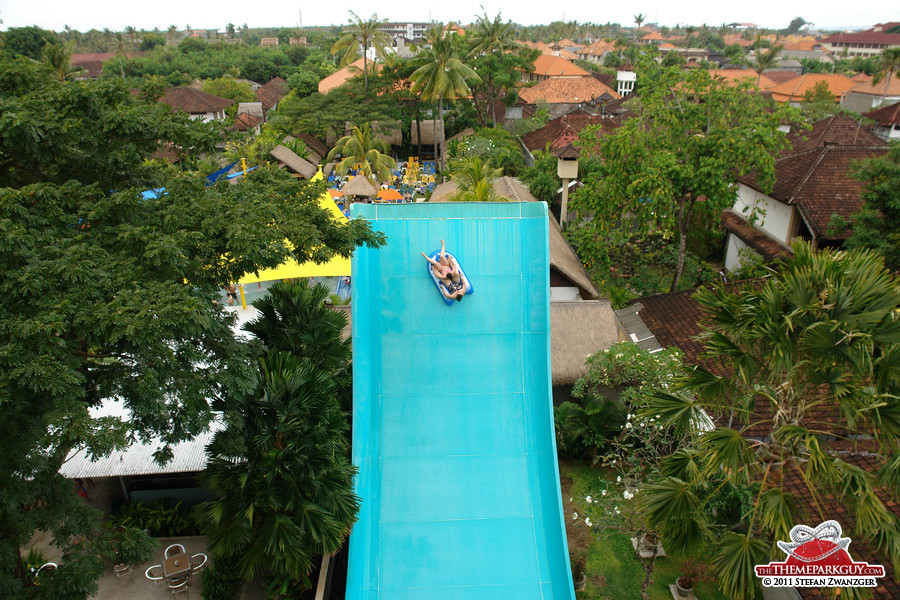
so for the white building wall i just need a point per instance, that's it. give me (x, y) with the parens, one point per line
(772, 216)
(732, 258)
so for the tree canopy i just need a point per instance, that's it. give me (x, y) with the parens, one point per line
(109, 293)
(693, 135)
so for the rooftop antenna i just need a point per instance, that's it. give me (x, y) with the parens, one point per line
(300, 17)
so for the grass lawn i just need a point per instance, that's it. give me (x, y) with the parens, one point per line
(613, 570)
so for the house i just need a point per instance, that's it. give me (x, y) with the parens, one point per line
(547, 66)
(271, 94)
(562, 96)
(345, 74)
(813, 181)
(870, 42)
(254, 109)
(867, 95)
(761, 82)
(92, 62)
(794, 89)
(597, 51)
(415, 32)
(296, 165)
(197, 104)
(269, 42)
(248, 123)
(887, 122)
(562, 131)
(653, 38)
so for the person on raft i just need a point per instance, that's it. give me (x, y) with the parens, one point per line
(447, 272)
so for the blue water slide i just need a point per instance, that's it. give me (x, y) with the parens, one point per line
(452, 418)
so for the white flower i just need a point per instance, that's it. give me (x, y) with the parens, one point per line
(628, 495)
(628, 417)
(587, 521)
(619, 479)
(589, 499)
(570, 499)
(617, 511)
(628, 425)
(603, 493)
(575, 516)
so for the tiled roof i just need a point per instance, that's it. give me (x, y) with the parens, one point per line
(794, 89)
(889, 86)
(271, 93)
(763, 82)
(653, 36)
(562, 131)
(864, 37)
(765, 245)
(245, 121)
(342, 76)
(886, 115)
(803, 45)
(861, 77)
(193, 101)
(555, 66)
(779, 76)
(836, 130)
(541, 47)
(92, 62)
(598, 48)
(566, 54)
(819, 181)
(833, 507)
(573, 91)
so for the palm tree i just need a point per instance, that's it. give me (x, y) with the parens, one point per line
(363, 148)
(171, 32)
(475, 180)
(638, 21)
(280, 468)
(805, 356)
(492, 36)
(366, 34)
(888, 64)
(441, 76)
(765, 60)
(57, 58)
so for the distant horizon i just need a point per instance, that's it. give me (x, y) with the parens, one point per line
(101, 14)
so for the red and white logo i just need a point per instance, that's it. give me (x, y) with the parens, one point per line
(818, 558)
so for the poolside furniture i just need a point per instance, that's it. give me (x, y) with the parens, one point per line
(122, 569)
(197, 562)
(174, 549)
(177, 566)
(179, 586)
(155, 573)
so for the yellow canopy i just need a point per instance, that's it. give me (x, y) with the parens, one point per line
(337, 266)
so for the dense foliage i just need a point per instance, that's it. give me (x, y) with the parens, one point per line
(109, 294)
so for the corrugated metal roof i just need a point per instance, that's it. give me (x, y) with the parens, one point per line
(137, 459)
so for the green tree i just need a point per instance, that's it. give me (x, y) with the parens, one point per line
(441, 75)
(27, 41)
(57, 58)
(151, 40)
(366, 34)
(692, 138)
(492, 42)
(280, 468)
(797, 23)
(877, 224)
(809, 354)
(109, 294)
(364, 149)
(228, 87)
(764, 60)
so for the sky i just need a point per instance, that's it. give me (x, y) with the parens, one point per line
(116, 14)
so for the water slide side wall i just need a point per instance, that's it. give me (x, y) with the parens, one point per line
(453, 424)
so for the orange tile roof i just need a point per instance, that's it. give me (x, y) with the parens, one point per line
(555, 66)
(806, 46)
(862, 76)
(342, 76)
(764, 82)
(889, 86)
(566, 54)
(793, 90)
(597, 48)
(568, 90)
(653, 35)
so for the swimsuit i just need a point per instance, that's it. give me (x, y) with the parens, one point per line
(455, 286)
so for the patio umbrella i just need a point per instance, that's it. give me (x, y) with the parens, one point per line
(335, 193)
(389, 195)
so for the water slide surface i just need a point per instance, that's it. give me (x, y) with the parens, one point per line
(453, 423)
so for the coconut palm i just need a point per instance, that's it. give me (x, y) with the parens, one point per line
(280, 470)
(888, 64)
(807, 355)
(441, 75)
(492, 35)
(366, 34)
(764, 60)
(58, 60)
(364, 151)
(474, 179)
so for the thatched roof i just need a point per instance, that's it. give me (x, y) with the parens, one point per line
(427, 131)
(313, 143)
(577, 330)
(292, 162)
(467, 132)
(359, 186)
(313, 158)
(567, 263)
(388, 131)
